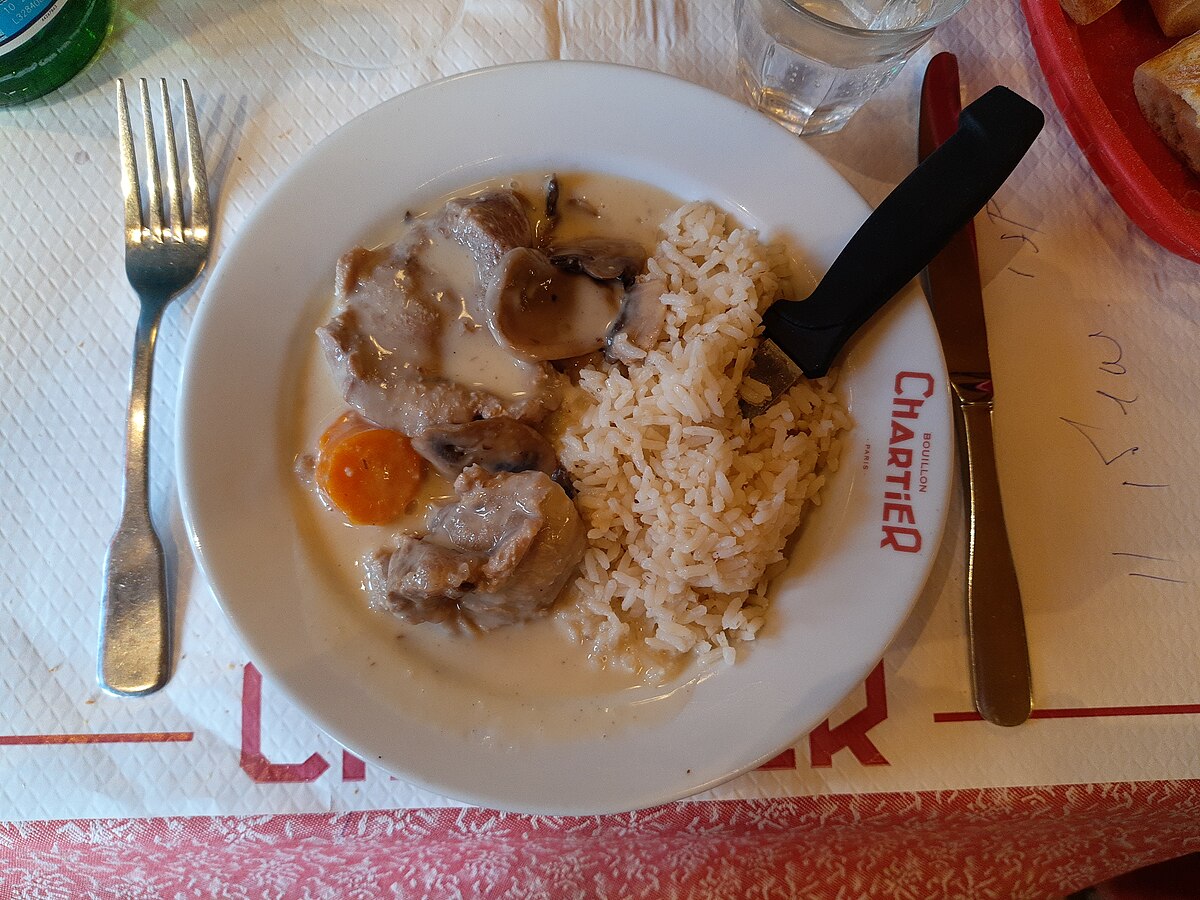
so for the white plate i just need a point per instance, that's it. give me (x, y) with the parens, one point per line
(846, 592)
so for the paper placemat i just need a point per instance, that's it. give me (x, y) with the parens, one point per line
(1097, 442)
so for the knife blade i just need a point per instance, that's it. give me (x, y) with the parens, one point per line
(895, 242)
(999, 652)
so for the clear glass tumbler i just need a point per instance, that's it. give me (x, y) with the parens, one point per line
(810, 64)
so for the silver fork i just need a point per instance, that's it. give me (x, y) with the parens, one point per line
(161, 259)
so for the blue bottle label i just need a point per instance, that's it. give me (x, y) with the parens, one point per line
(22, 19)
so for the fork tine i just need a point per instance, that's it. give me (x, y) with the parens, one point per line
(197, 176)
(129, 172)
(174, 191)
(154, 187)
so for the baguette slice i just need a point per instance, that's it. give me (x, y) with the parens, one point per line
(1085, 11)
(1177, 17)
(1168, 91)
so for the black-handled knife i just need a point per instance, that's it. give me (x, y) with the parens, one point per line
(897, 240)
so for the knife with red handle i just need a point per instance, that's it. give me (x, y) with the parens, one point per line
(999, 653)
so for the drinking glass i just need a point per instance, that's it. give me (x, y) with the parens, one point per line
(811, 64)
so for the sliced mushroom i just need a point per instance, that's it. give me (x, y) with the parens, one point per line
(604, 258)
(501, 444)
(544, 225)
(539, 312)
(552, 196)
(642, 320)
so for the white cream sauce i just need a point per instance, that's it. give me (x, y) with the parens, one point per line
(469, 353)
(521, 681)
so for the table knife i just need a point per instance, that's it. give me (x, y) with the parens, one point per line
(999, 654)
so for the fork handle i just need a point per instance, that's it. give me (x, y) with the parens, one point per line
(135, 628)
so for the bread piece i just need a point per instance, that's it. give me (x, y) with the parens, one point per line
(1177, 17)
(1085, 11)
(1168, 91)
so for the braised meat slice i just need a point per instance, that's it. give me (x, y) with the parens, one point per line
(378, 316)
(488, 225)
(383, 346)
(504, 553)
(429, 577)
(401, 351)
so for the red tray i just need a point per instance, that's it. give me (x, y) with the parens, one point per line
(1090, 72)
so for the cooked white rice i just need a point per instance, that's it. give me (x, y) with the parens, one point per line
(689, 506)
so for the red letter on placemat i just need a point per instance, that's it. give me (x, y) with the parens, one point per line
(254, 763)
(353, 768)
(823, 741)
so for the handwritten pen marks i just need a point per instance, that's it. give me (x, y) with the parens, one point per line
(1109, 438)
(1023, 233)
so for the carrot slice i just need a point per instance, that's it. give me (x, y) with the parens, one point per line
(371, 474)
